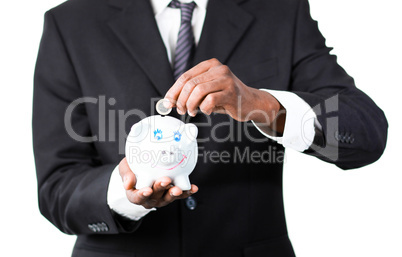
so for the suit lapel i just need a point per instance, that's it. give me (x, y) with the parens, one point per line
(224, 26)
(136, 28)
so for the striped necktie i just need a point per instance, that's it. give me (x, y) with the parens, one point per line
(185, 39)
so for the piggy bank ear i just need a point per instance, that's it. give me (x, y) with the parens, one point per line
(191, 131)
(138, 132)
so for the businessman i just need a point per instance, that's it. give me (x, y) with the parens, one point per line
(255, 76)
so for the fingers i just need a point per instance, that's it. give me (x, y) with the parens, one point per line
(212, 87)
(169, 196)
(161, 194)
(207, 96)
(193, 190)
(139, 196)
(160, 186)
(188, 81)
(176, 193)
(192, 87)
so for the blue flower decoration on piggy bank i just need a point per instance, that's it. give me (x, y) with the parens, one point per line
(158, 134)
(177, 136)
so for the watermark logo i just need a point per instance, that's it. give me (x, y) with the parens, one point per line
(166, 159)
(112, 128)
(325, 143)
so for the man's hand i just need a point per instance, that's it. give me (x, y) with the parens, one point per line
(212, 87)
(161, 194)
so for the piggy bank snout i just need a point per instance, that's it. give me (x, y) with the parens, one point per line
(170, 156)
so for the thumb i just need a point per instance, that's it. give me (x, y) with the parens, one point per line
(127, 175)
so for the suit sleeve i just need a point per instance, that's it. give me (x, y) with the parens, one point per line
(354, 129)
(72, 179)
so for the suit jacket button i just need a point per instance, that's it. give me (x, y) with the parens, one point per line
(97, 228)
(191, 203)
(103, 227)
(92, 227)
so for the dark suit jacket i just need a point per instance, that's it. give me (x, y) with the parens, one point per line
(105, 49)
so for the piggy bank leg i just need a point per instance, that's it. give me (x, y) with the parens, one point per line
(182, 182)
(143, 181)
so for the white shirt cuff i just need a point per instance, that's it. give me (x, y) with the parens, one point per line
(300, 121)
(118, 202)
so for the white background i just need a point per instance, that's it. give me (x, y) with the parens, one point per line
(330, 212)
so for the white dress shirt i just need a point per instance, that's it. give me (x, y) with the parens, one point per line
(300, 120)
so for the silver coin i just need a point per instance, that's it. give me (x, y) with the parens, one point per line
(161, 109)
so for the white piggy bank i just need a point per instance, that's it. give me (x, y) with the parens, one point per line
(160, 146)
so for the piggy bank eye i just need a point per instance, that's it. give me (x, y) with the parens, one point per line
(158, 134)
(177, 136)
